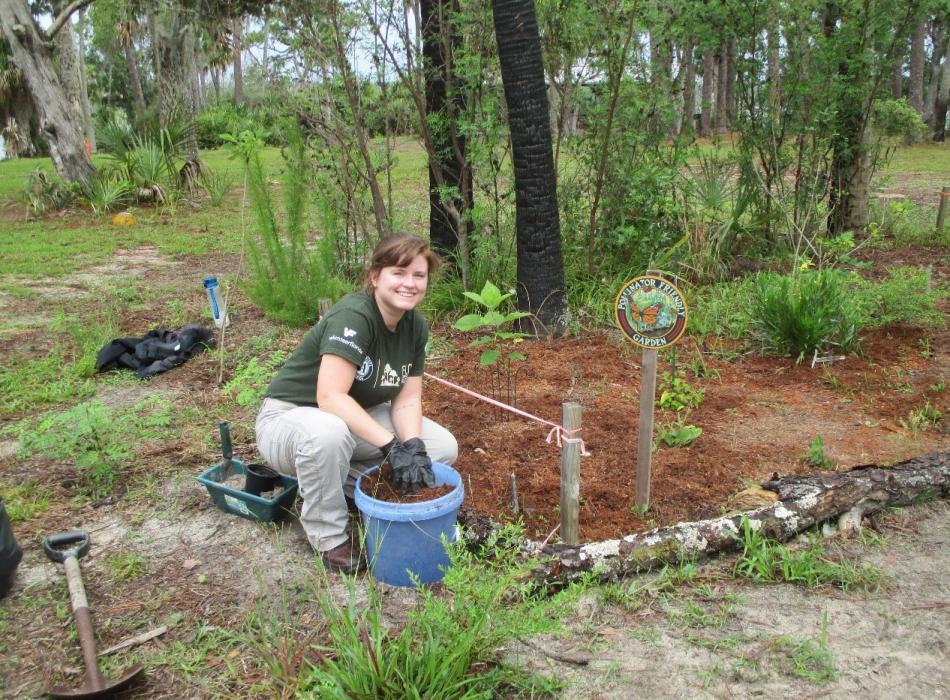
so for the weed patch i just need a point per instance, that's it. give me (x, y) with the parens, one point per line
(811, 566)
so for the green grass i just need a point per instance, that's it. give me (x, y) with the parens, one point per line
(812, 565)
(24, 501)
(922, 158)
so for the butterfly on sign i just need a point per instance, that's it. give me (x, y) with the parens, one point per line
(647, 316)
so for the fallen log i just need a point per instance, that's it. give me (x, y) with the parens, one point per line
(804, 501)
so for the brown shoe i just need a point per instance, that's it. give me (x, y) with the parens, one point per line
(344, 558)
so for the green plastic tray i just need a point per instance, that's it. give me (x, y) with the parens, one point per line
(247, 505)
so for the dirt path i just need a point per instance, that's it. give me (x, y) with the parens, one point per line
(728, 639)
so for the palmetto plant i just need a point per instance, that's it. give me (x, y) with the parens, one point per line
(107, 192)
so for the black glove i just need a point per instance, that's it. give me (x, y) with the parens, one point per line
(410, 465)
(421, 461)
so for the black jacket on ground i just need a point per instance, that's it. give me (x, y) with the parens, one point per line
(158, 351)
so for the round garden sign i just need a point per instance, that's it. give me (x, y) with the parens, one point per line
(651, 311)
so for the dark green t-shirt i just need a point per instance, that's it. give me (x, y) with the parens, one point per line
(354, 330)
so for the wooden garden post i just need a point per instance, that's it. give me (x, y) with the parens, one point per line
(645, 430)
(570, 475)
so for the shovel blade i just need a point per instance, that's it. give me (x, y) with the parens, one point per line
(94, 692)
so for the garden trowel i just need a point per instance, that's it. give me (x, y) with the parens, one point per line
(227, 465)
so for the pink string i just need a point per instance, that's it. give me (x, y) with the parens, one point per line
(558, 433)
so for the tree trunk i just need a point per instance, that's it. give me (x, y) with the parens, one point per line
(83, 85)
(897, 80)
(709, 82)
(189, 93)
(237, 28)
(774, 69)
(541, 289)
(850, 175)
(138, 98)
(721, 114)
(216, 83)
(803, 501)
(170, 29)
(915, 85)
(58, 121)
(942, 96)
(70, 67)
(934, 71)
(688, 117)
(730, 93)
(450, 175)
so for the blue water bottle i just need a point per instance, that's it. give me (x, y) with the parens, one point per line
(218, 312)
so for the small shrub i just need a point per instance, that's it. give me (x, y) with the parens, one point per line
(798, 315)
(217, 184)
(678, 394)
(816, 457)
(905, 296)
(107, 192)
(289, 273)
(44, 193)
(493, 321)
(99, 440)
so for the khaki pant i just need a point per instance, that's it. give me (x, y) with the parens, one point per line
(317, 448)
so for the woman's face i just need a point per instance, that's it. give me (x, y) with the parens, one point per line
(399, 289)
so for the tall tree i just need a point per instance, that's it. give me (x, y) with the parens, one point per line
(859, 41)
(541, 289)
(59, 121)
(450, 175)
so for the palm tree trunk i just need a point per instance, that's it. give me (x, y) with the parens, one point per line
(540, 265)
(138, 98)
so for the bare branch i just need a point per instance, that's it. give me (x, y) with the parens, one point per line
(64, 17)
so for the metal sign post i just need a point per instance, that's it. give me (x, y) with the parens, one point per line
(652, 313)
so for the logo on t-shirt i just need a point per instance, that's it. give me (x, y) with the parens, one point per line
(348, 332)
(389, 377)
(366, 371)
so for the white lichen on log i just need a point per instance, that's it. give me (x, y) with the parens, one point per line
(804, 501)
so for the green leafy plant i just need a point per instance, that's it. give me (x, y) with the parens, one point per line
(677, 394)
(816, 457)
(217, 183)
(493, 322)
(678, 434)
(808, 312)
(98, 439)
(24, 501)
(107, 192)
(250, 380)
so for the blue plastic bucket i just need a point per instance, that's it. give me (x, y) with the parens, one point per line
(404, 540)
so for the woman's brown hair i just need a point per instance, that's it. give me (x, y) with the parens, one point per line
(398, 251)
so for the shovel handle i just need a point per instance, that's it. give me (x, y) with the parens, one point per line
(57, 546)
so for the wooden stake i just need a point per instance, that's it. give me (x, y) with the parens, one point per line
(570, 475)
(942, 211)
(515, 505)
(323, 306)
(645, 433)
